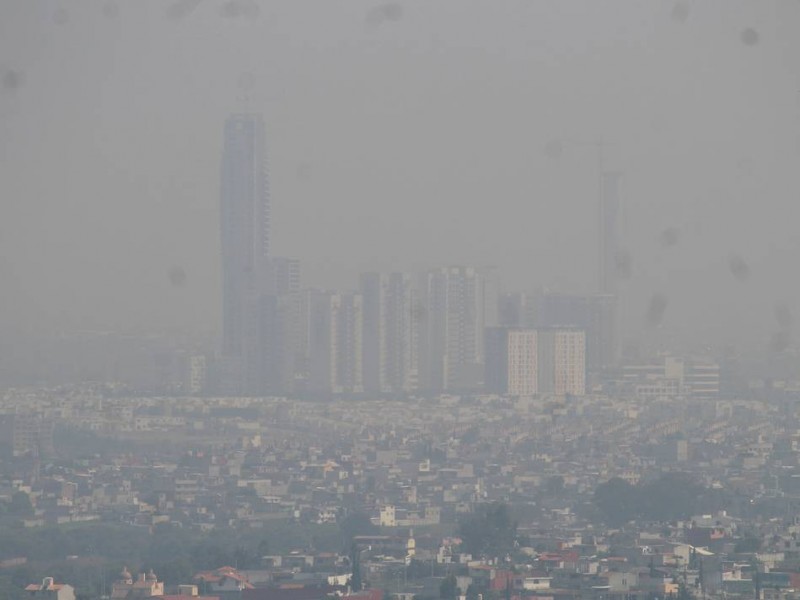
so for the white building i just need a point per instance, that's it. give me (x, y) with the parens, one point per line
(523, 362)
(526, 362)
(569, 349)
(49, 590)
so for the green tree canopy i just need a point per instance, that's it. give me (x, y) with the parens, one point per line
(489, 531)
(20, 505)
(671, 497)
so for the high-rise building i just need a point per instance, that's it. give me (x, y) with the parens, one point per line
(452, 346)
(260, 294)
(390, 338)
(523, 362)
(516, 309)
(335, 340)
(526, 362)
(372, 287)
(401, 335)
(269, 356)
(495, 374)
(568, 348)
(244, 225)
(491, 296)
(285, 278)
(285, 275)
(593, 313)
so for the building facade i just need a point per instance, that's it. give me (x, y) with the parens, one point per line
(527, 362)
(335, 343)
(454, 325)
(244, 224)
(593, 313)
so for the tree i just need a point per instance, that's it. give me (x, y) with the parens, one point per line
(448, 589)
(671, 497)
(683, 592)
(20, 505)
(245, 559)
(355, 563)
(616, 500)
(418, 569)
(749, 543)
(208, 554)
(356, 523)
(489, 531)
(174, 571)
(554, 485)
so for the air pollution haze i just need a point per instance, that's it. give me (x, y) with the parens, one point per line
(402, 136)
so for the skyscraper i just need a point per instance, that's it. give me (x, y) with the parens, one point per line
(244, 225)
(454, 324)
(374, 345)
(391, 338)
(335, 342)
(594, 313)
(401, 335)
(260, 294)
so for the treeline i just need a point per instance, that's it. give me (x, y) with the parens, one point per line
(90, 556)
(670, 497)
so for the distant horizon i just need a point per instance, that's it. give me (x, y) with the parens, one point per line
(451, 133)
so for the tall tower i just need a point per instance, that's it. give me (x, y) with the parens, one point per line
(244, 225)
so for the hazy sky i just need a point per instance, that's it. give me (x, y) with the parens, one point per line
(401, 136)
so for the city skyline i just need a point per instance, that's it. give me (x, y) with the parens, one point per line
(444, 171)
(399, 300)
